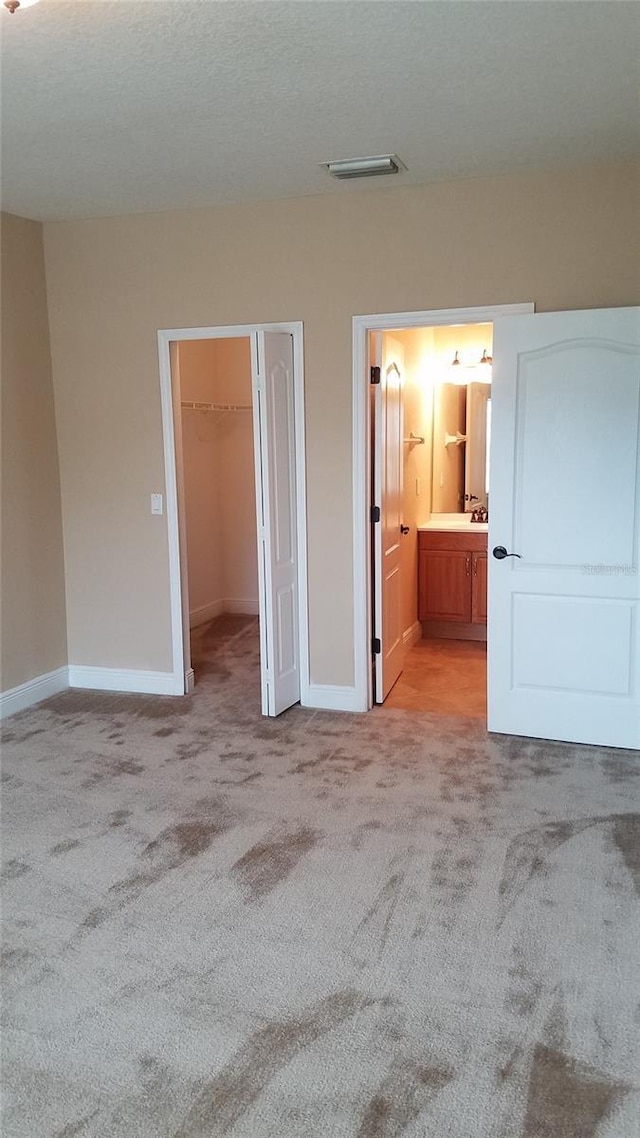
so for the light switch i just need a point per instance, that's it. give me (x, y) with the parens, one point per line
(418, 488)
(156, 504)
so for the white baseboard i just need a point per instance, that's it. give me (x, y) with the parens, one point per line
(33, 691)
(412, 634)
(326, 697)
(205, 613)
(226, 604)
(246, 607)
(122, 679)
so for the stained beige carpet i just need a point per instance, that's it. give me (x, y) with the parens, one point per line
(325, 926)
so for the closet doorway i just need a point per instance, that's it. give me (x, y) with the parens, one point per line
(233, 423)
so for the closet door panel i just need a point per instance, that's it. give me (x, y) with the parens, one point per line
(274, 438)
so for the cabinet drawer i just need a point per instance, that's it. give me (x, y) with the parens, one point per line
(471, 542)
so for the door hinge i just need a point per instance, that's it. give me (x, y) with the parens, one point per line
(374, 514)
(376, 646)
(375, 375)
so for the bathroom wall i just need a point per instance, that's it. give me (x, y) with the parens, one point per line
(448, 461)
(470, 341)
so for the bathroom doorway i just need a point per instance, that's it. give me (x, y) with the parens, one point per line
(422, 636)
(429, 551)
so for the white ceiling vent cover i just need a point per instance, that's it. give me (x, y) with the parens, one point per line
(365, 167)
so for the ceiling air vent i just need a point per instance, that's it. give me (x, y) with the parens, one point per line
(365, 167)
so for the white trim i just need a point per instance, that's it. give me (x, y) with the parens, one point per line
(412, 634)
(326, 697)
(205, 613)
(165, 337)
(171, 493)
(362, 325)
(246, 607)
(125, 680)
(33, 691)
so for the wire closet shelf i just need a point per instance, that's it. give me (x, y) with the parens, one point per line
(189, 405)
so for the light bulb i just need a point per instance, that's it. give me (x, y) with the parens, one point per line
(14, 5)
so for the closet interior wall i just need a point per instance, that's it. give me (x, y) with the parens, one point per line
(219, 479)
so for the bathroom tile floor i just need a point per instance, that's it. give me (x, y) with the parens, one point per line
(446, 676)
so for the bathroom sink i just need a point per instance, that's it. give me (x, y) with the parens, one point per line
(454, 522)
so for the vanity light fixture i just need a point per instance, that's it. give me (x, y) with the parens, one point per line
(464, 373)
(13, 5)
(485, 367)
(457, 372)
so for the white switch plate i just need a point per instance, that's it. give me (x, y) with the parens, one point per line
(418, 488)
(156, 504)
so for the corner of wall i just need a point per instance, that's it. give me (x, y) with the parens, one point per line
(34, 627)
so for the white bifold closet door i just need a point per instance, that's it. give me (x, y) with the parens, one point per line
(274, 443)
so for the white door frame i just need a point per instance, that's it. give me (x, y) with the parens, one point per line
(182, 678)
(362, 583)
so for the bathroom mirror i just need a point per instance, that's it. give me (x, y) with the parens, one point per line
(460, 447)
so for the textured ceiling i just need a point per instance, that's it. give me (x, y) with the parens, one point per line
(121, 106)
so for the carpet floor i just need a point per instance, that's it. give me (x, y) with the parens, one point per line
(320, 926)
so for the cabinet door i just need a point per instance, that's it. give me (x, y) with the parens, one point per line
(479, 589)
(444, 588)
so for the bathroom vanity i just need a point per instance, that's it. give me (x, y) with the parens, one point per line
(452, 577)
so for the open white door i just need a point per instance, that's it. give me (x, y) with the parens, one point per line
(564, 641)
(274, 442)
(388, 465)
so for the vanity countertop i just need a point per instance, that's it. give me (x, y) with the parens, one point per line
(450, 523)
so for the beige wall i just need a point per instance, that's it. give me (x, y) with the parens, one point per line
(219, 481)
(238, 505)
(196, 363)
(34, 639)
(564, 239)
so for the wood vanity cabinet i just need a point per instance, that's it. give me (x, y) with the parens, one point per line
(452, 584)
(479, 588)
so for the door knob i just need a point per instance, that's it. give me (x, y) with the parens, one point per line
(404, 529)
(499, 552)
